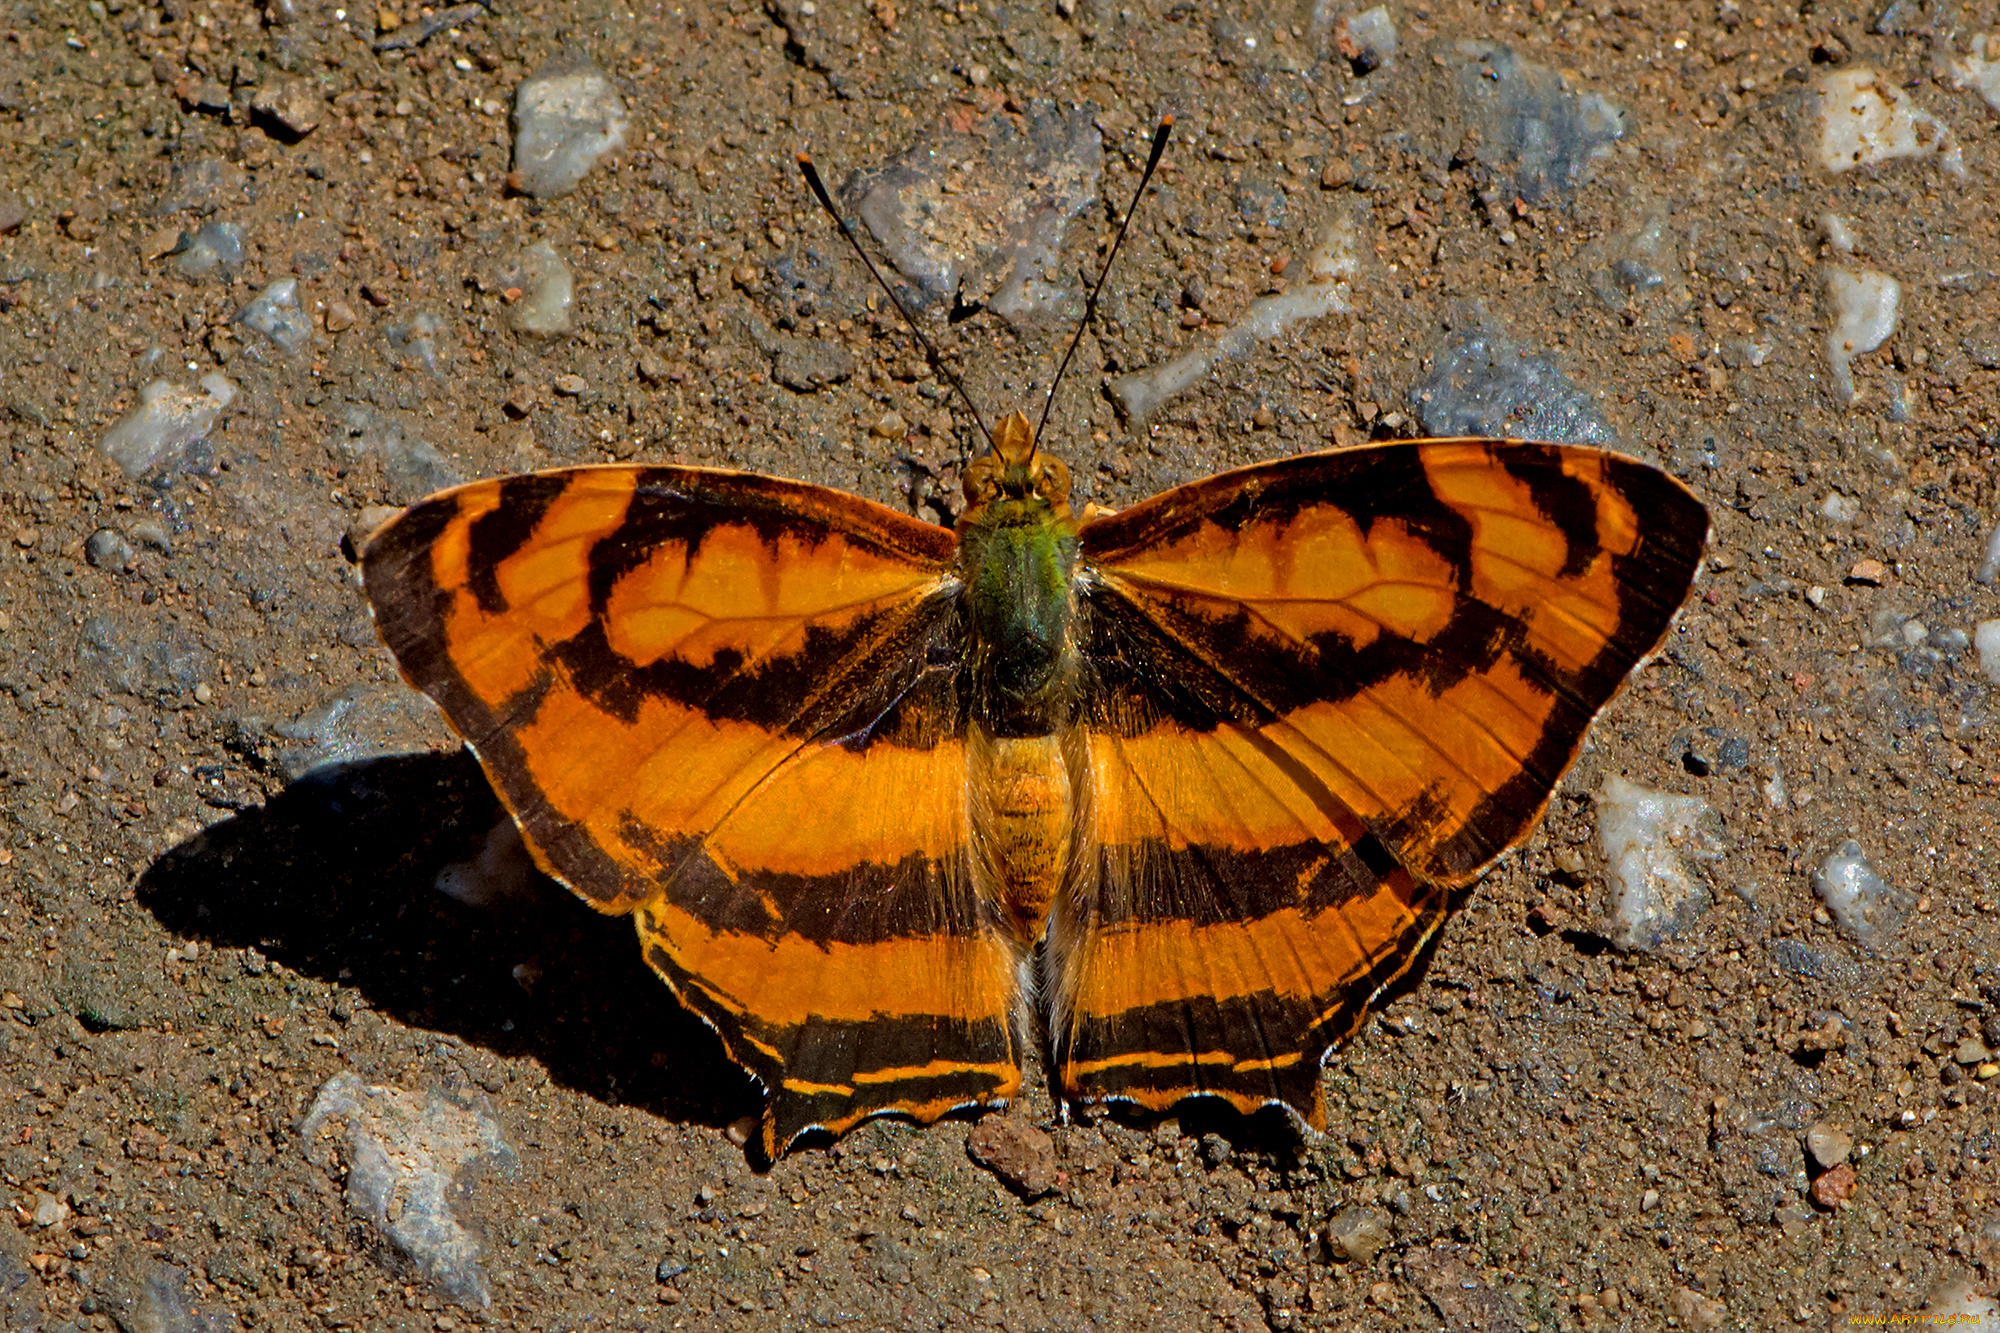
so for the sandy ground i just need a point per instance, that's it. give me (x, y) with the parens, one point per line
(200, 926)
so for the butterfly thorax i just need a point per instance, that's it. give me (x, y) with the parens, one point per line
(1018, 552)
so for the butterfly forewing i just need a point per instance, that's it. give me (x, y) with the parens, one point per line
(1321, 692)
(730, 705)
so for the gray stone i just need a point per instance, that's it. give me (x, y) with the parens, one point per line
(276, 314)
(1488, 385)
(567, 115)
(107, 548)
(211, 246)
(405, 1155)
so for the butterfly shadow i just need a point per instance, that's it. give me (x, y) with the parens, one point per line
(338, 876)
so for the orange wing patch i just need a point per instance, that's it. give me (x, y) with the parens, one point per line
(1322, 692)
(727, 704)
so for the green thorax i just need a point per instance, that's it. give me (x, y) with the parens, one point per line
(1017, 554)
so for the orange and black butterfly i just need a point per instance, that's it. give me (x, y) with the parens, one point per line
(1176, 790)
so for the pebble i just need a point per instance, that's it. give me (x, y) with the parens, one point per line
(1696, 1310)
(1986, 640)
(1828, 1145)
(151, 532)
(1868, 572)
(567, 115)
(1490, 385)
(1989, 563)
(147, 1295)
(339, 316)
(361, 722)
(107, 548)
(1644, 834)
(1356, 1234)
(1016, 1150)
(653, 368)
(1834, 1187)
(1980, 70)
(277, 315)
(891, 426)
(1864, 119)
(571, 385)
(1367, 40)
(1861, 305)
(405, 1154)
(289, 106)
(546, 307)
(415, 338)
(49, 1210)
(996, 234)
(168, 423)
(212, 245)
(197, 186)
(12, 212)
(1865, 908)
(1329, 268)
(1531, 127)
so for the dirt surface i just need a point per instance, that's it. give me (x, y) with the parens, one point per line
(201, 924)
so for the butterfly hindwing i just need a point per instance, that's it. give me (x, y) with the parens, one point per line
(1320, 693)
(730, 705)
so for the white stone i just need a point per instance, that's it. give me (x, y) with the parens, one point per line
(1838, 233)
(1989, 565)
(1986, 638)
(1862, 306)
(1865, 119)
(167, 423)
(1644, 835)
(547, 306)
(404, 1155)
(1840, 508)
(1862, 905)
(276, 314)
(1329, 268)
(1980, 70)
(566, 116)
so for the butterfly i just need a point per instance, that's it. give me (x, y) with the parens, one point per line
(1174, 791)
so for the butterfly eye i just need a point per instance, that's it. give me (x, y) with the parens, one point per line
(1052, 482)
(982, 481)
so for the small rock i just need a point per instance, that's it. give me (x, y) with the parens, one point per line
(290, 107)
(25, 538)
(415, 339)
(213, 245)
(1356, 1234)
(1834, 1187)
(339, 316)
(1868, 572)
(567, 116)
(146, 1295)
(197, 186)
(1489, 385)
(1643, 835)
(168, 423)
(1696, 1310)
(1016, 1150)
(1980, 70)
(1367, 39)
(108, 549)
(151, 532)
(1863, 119)
(406, 1159)
(1531, 127)
(1338, 173)
(12, 212)
(1986, 639)
(1970, 1052)
(806, 365)
(653, 368)
(1861, 305)
(547, 300)
(49, 1210)
(891, 426)
(1828, 1145)
(1866, 909)
(159, 243)
(277, 315)
(570, 386)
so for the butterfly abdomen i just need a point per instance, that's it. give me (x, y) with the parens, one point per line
(1023, 801)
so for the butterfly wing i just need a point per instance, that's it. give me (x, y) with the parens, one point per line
(728, 705)
(1321, 693)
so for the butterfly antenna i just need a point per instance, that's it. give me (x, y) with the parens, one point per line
(1166, 128)
(818, 188)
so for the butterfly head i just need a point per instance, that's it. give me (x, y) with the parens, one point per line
(1017, 474)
